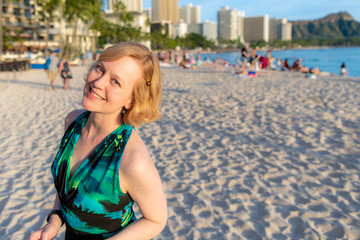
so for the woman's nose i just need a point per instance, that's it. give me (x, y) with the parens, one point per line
(100, 81)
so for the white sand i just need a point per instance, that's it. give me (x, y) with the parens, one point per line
(274, 157)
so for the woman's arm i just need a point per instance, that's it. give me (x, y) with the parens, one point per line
(61, 66)
(51, 229)
(72, 116)
(141, 180)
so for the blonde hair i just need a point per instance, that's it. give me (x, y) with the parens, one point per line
(147, 90)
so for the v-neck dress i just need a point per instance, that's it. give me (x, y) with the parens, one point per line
(92, 203)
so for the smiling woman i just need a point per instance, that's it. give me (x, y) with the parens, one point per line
(147, 91)
(103, 167)
(106, 90)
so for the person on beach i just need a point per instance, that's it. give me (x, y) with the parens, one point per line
(64, 71)
(102, 166)
(278, 64)
(199, 62)
(253, 56)
(51, 68)
(269, 58)
(343, 70)
(286, 65)
(244, 56)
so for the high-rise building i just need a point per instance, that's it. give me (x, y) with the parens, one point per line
(275, 29)
(196, 14)
(184, 13)
(240, 26)
(29, 18)
(180, 29)
(228, 23)
(131, 5)
(195, 28)
(280, 29)
(163, 26)
(210, 30)
(190, 14)
(22, 16)
(256, 28)
(286, 30)
(165, 10)
(148, 13)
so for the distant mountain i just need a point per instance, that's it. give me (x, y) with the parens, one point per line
(334, 26)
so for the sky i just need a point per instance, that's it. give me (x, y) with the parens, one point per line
(292, 10)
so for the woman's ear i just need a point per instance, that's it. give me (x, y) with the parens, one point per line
(129, 105)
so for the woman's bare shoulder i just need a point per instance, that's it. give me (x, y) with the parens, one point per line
(71, 116)
(136, 154)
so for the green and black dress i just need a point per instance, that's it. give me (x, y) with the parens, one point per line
(92, 203)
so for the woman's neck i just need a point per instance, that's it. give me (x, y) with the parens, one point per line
(100, 125)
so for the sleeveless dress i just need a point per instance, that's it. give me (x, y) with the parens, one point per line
(91, 200)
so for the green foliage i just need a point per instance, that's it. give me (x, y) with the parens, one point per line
(48, 7)
(190, 41)
(8, 40)
(159, 40)
(125, 16)
(259, 43)
(122, 30)
(340, 29)
(280, 44)
(230, 44)
(194, 40)
(333, 30)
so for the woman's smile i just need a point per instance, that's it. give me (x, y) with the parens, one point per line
(93, 94)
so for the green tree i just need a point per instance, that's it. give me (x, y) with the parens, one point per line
(121, 27)
(124, 26)
(258, 43)
(125, 17)
(194, 40)
(76, 10)
(49, 7)
(1, 25)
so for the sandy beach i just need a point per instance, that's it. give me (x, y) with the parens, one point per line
(271, 157)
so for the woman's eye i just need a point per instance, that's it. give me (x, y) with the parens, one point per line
(115, 81)
(98, 68)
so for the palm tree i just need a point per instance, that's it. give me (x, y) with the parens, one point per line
(83, 10)
(125, 17)
(49, 7)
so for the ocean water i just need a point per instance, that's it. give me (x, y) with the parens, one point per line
(326, 59)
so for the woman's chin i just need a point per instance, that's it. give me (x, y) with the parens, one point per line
(86, 105)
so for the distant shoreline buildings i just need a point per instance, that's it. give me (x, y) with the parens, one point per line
(29, 19)
(167, 16)
(231, 24)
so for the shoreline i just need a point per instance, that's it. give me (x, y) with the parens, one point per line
(326, 59)
(278, 49)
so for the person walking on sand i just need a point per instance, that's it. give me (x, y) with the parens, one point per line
(102, 166)
(64, 71)
(51, 68)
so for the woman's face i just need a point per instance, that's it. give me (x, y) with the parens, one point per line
(109, 86)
